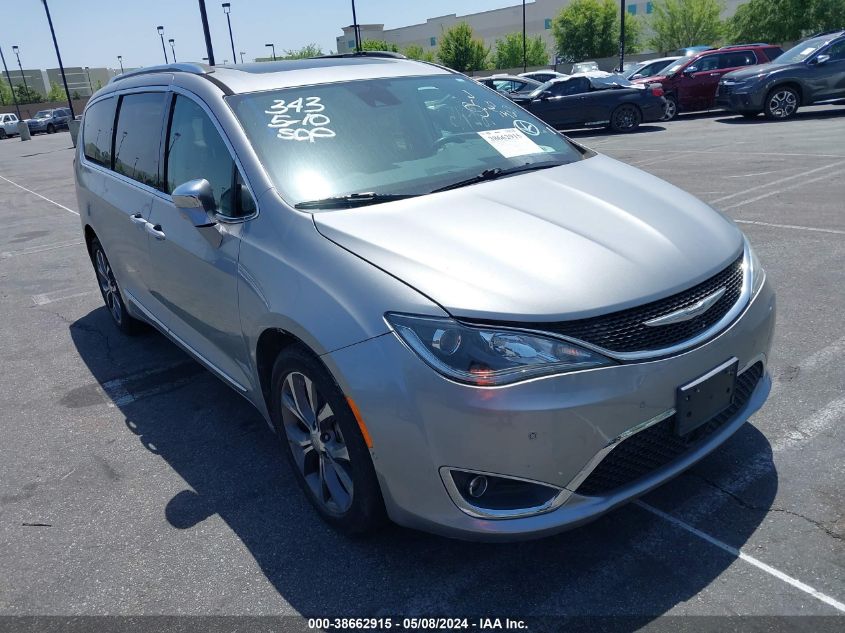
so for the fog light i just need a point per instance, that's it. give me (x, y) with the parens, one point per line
(477, 486)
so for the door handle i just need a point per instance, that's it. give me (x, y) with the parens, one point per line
(714, 74)
(155, 231)
(137, 219)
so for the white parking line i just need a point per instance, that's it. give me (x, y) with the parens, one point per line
(693, 152)
(59, 295)
(791, 226)
(39, 249)
(120, 395)
(776, 191)
(35, 193)
(810, 427)
(801, 174)
(743, 556)
(825, 356)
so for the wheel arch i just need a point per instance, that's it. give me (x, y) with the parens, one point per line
(788, 83)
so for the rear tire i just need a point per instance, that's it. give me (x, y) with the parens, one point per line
(670, 111)
(781, 103)
(323, 444)
(625, 118)
(2, 133)
(111, 292)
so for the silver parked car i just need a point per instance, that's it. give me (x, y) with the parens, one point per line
(450, 314)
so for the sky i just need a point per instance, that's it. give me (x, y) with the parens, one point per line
(94, 32)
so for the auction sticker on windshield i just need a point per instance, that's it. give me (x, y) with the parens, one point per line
(510, 142)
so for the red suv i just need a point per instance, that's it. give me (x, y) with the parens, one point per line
(690, 83)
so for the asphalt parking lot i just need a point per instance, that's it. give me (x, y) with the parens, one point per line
(133, 482)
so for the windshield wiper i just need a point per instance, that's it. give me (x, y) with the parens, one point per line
(352, 200)
(494, 173)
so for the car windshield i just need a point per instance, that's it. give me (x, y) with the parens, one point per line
(673, 68)
(398, 136)
(43, 114)
(801, 52)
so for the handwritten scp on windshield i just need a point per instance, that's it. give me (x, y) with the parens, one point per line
(302, 119)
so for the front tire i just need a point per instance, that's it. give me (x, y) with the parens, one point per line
(670, 110)
(625, 118)
(111, 292)
(781, 103)
(2, 133)
(51, 129)
(323, 444)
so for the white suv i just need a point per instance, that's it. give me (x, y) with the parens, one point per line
(8, 125)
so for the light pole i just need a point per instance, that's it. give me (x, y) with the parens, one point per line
(206, 33)
(273, 47)
(242, 57)
(621, 34)
(357, 30)
(9, 79)
(173, 48)
(226, 9)
(120, 60)
(59, 57)
(524, 41)
(16, 51)
(90, 87)
(160, 30)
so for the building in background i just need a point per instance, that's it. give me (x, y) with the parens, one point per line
(77, 78)
(33, 76)
(489, 25)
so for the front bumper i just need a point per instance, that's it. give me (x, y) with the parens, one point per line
(743, 101)
(546, 430)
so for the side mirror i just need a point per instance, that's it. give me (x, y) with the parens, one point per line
(821, 59)
(637, 76)
(690, 70)
(546, 94)
(196, 202)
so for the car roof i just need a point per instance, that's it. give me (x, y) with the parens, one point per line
(258, 76)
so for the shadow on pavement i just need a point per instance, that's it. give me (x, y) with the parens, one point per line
(801, 115)
(627, 563)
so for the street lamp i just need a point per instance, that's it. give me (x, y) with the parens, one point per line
(226, 9)
(9, 79)
(59, 58)
(242, 57)
(173, 48)
(273, 47)
(357, 30)
(524, 41)
(160, 30)
(16, 51)
(621, 34)
(120, 60)
(206, 33)
(90, 87)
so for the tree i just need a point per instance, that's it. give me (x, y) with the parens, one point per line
(784, 20)
(415, 51)
(509, 52)
(57, 93)
(590, 28)
(460, 50)
(5, 93)
(25, 94)
(309, 50)
(680, 23)
(379, 45)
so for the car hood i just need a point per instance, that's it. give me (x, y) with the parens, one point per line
(753, 71)
(650, 80)
(568, 242)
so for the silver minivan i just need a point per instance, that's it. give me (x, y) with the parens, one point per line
(450, 314)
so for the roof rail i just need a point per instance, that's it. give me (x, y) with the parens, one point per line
(193, 68)
(744, 45)
(831, 32)
(389, 54)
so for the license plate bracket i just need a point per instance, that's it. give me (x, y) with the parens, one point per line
(705, 397)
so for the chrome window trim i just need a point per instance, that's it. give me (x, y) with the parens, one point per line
(487, 513)
(730, 316)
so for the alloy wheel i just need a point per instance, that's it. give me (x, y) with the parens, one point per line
(626, 118)
(782, 104)
(108, 286)
(317, 443)
(670, 110)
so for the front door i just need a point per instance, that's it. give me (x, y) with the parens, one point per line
(195, 269)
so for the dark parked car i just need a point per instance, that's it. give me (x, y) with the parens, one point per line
(509, 84)
(811, 72)
(594, 99)
(49, 121)
(690, 83)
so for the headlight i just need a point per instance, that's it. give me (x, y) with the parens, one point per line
(754, 268)
(486, 356)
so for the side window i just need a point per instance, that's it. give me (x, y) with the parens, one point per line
(97, 131)
(736, 60)
(137, 137)
(836, 51)
(710, 62)
(196, 150)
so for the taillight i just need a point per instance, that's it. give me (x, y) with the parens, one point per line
(657, 91)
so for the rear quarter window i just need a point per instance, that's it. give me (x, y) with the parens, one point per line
(97, 131)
